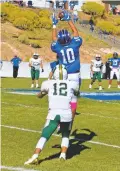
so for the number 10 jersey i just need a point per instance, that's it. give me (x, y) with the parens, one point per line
(68, 54)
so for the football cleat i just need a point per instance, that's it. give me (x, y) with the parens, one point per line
(118, 86)
(90, 86)
(37, 86)
(62, 156)
(109, 86)
(100, 88)
(32, 85)
(32, 160)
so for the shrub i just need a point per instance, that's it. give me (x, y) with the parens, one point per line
(106, 26)
(45, 23)
(93, 8)
(22, 23)
(35, 43)
(44, 13)
(26, 19)
(117, 21)
(23, 38)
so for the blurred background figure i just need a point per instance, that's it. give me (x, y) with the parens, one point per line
(30, 4)
(35, 63)
(96, 71)
(115, 66)
(15, 61)
(1, 64)
(108, 69)
(91, 23)
(75, 15)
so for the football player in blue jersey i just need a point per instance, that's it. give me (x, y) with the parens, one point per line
(115, 69)
(67, 50)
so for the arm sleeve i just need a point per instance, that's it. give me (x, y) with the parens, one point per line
(54, 46)
(77, 41)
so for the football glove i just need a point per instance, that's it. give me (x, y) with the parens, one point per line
(42, 70)
(66, 17)
(54, 20)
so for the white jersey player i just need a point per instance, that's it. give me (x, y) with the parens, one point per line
(96, 67)
(35, 63)
(60, 92)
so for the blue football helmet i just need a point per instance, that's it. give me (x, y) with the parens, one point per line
(64, 37)
(115, 55)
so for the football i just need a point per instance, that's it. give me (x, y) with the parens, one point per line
(61, 15)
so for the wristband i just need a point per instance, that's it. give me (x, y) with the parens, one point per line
(54, 26)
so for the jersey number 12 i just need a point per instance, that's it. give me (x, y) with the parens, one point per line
(62, 89)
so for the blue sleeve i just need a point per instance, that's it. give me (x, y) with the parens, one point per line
(77, 41)
(54, 46)
(53, 65)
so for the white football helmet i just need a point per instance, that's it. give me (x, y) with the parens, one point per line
(60, 73)
(35, 55)
(98, 57)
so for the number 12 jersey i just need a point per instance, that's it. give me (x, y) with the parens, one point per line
(60, 93)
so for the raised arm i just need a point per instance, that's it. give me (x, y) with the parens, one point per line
(54, 31)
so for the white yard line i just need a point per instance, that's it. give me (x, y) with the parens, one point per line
(91, 114)
(100, 116)
(35, 131)
(17, 104)
(16, 168)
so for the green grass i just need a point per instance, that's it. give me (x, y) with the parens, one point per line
(98, 121)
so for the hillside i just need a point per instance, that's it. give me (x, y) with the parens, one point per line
(25, 31)
(10, 45)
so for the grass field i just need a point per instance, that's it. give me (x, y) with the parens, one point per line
(96, 132)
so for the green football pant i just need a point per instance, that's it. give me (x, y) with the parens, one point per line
(50, 127)
(97, 75)
(35, 74)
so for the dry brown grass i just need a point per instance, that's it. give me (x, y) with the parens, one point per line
(10, 46)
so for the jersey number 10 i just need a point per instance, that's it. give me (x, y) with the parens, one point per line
(68, 55)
